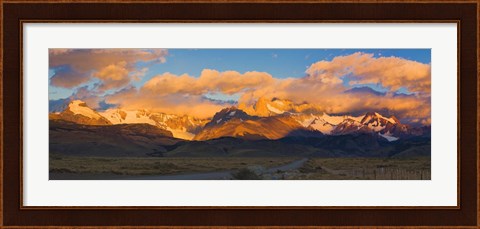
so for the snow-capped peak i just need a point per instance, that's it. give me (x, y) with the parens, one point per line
(79, 107)
(328, 124)
(335, 120)
(388, 119)
(183, 127)
(374, 115)
(274, 110)
(117, 116)
(227, 114)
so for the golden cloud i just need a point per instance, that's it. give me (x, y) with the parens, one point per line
(85, 63)
(229, 82)
(113, 76)
(390, 72)
(323, 87)
(180, 104)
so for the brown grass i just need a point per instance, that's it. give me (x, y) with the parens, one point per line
(157, 165)
(417, 168)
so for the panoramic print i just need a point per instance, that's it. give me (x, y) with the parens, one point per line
(239, 114)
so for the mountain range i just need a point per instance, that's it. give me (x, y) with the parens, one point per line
(278, 119)
(271, 127)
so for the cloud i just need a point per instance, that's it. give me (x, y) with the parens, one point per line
(113, 76)
(58, 51)
(184, 94)
(324, 86)
(88, 59)
(364, 89)
(114, 67)
(87, 95)
(182, 104)
(228, 82)
(390, 72)
(139, 74)
(66, 77)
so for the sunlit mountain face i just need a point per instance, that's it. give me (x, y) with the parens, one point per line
(273, 119)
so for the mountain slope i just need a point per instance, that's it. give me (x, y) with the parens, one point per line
(232, 122)
(237, 147)
(312, 117)
(372, 122)
(277, 119)
(264, 107)
(184, 127)
(78, 112)
(70, 138)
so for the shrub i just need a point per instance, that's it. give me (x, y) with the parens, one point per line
(246, 174)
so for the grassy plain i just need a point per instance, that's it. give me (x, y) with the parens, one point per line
(414, 168)
(157, 165)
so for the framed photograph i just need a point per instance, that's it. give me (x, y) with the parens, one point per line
(225, 114)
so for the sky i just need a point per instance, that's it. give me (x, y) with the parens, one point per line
(202, 81)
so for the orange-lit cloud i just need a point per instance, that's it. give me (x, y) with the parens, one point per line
(390, 72)
(181, 104)
(322, 86)
(229, 82)
(113, 76)
(114, 67)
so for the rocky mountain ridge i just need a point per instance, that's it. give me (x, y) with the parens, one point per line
(284, 119)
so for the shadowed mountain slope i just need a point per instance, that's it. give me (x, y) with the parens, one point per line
(108, 140)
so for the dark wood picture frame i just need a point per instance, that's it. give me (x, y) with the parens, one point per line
(14, 13)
